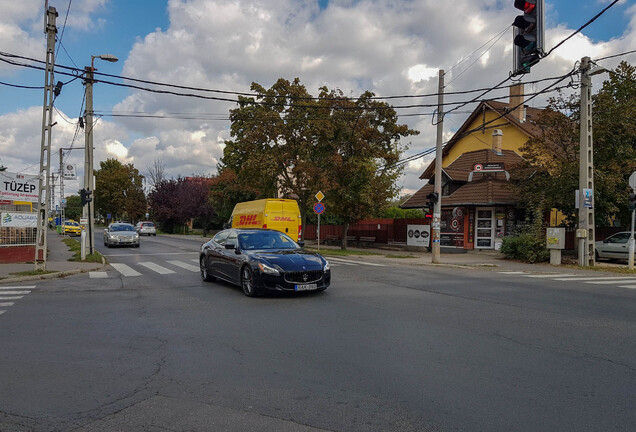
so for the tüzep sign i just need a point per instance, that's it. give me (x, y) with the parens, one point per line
(18, 187)
(19, 220)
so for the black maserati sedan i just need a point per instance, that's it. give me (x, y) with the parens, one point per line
(263, 260)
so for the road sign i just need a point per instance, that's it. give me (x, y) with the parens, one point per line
(319, 208)
(320, 196)
(632, 181)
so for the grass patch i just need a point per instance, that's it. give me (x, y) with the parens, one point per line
(340, 252)
(75, 247)
(33, 273)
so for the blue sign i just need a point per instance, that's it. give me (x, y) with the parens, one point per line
(319, 208)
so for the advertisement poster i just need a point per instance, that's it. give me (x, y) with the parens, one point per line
(418, 235)
(69, 172)
(19, 220)
(18, 187)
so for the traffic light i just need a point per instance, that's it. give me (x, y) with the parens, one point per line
(85, 196)
(632, 200)
(432, 199)
(528, 35)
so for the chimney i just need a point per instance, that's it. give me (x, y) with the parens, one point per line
(516, 98)
(497, 142)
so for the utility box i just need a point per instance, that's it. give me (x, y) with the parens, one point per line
(555, 238)
(555, 242)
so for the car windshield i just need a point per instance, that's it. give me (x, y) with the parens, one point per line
(122, 227)
(265, 240)
(72, 224)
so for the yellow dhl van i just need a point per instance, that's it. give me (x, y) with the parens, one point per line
(279, 214)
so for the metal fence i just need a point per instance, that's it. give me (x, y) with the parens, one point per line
(14, 235)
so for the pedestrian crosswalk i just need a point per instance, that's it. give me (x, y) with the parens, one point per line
(617, 281)
(172, 267)
(10, 294)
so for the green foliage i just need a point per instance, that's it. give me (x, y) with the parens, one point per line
(119, 191)
(395, 212)
(525, 247)
(73, 208)
(550, 175)
(529, 243)
(284, 140)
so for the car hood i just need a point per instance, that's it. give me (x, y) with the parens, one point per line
(123, 233)
(294, 260)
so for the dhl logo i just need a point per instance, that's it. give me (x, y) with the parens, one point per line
(283, 219)
(248, 220)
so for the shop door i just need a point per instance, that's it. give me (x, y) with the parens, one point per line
(485, 228)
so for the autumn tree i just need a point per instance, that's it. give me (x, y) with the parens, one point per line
(174, 202)
(119, 191)
(286, 140)
(550, 176)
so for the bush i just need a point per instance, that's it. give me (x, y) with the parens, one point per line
(525, 247)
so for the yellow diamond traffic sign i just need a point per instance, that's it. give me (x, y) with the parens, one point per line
(320, 196)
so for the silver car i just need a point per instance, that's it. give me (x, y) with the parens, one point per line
(146, 228)
(121, 234)
(615, 246)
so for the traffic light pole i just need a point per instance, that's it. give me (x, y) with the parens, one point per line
(437, 210)
(88, 210)
(631, 244)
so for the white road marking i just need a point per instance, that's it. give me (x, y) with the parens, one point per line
(595, 278)
(125, 270)
(512, 272)
(11, 297)
(156, 268)
(340, 260)
(98, 275)
(150, 254)
(16, 287)
(6, 304)
(2, 311)
(185, 266)
(548, 275)
(628, 286)
(14, 292)
(196, 260)
(608, 282)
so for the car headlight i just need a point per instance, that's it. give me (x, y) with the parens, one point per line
(135, 236)
(326, 266)
(268, 269)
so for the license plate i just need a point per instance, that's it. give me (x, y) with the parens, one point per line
(306, 287)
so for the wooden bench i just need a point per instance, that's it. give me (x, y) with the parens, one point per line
(332, 240)
(366, 241)
(351, 241)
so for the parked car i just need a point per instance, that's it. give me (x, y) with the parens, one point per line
(263, 260)
(121, 234)
(615, 246)
(146, 228)
(71, 227)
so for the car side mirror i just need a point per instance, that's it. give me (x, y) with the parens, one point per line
(606, 241)
(301, 243)
(230, 246)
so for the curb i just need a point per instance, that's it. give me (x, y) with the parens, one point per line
(54, 275)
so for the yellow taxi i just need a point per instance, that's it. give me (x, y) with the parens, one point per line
(71, 227)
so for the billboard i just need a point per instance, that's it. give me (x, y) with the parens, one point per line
(18, 187)
(418, 235)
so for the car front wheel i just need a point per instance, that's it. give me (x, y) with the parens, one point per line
(205, 275)
(247, 282)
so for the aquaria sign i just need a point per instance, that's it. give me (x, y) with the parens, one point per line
(19, 220)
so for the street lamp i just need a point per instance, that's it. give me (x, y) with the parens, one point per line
(88, 211)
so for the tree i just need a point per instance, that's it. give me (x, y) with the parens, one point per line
(119, 191)
(225, 192)
(286, 141)
(550, 176)
(156, 172)
(73, 208)
(176, 201)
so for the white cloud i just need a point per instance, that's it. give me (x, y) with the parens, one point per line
(387, 46)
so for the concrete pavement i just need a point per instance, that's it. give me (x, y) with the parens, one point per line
(57, 262)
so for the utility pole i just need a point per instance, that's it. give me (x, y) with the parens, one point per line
(437, 209)
(586, 164)
(45, 145)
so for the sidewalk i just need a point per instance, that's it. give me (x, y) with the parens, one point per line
(57, 261)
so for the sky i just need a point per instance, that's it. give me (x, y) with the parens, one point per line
(389, 47)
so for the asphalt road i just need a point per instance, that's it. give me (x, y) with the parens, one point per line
(388, 347)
